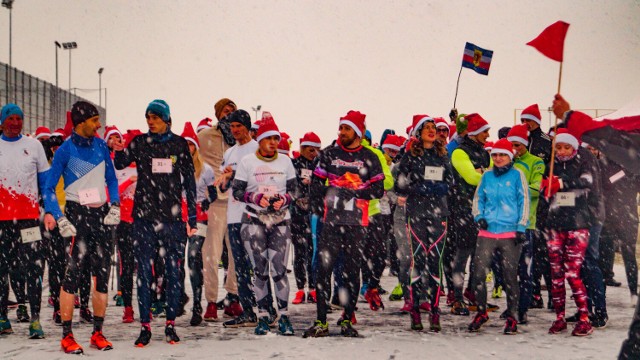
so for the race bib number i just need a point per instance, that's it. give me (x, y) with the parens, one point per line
(617, 176)
(433, 173)
(202, 230)
(305, 173)
(268, 190)
(89, 196)
(31, 234)
(161, 166)
(566, 199)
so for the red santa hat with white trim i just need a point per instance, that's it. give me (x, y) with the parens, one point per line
(532, 112)
(190, 135)
(111, 130)
(503, 146)
(203, 124)
(310, 139)
(58, 132)
(393, 142)
(442, 123)
(488, 145)
(283, 145)
(519, 133)
(563, 136)
(476, 124)
(267, 128)
(418, 122)
(42, 131)
(355, 120)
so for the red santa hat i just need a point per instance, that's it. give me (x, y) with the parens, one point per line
(296, 154)
(452, 130)
(409, 130)
(42, 131)
(130, 135)
(203, 124)
(476, 124)
(58, 132)
(310, 139)
(393, 142)
(111, 130)
(532, 112)
(519, 133)
(441, 123)
(503, 146)
(267, 128)
(563, 136)
(355, 120)
(488, 145)
(190, 135)
(283, 145)
(418, 122)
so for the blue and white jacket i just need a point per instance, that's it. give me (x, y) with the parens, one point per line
(85, 165)
(503, 201)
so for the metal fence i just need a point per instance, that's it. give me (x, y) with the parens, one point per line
(43, 103)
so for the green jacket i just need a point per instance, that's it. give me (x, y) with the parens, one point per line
(533, 169)
(374, 205)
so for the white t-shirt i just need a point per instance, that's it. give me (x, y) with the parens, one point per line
(232, 158)
(207, 177)
(267, 177)
(20, 163)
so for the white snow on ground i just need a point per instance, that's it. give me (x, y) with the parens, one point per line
(385, 335)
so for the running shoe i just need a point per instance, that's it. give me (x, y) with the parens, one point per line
(318, 329)
(299, 298)
(22, 314)
(582, 328)
(284, 325)
(244, 320)
(99, 342)
(510, 326)
(127, 316)
(263, 326)
(170, 335)
(347, 330)
(416, 320)
(558, 326)
(478, 321)
(144, 338)
(212, 312)
(35, 330)
(70, 346)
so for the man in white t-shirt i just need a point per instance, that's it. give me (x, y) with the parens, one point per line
(240, 124)
(23, 169)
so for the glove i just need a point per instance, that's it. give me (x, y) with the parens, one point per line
(453, 114)
(482, 223)
(204, 205)
(554, 183)
(113, 216)
(520, 238)
(66, 228)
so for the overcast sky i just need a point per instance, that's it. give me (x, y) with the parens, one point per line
(308, 62)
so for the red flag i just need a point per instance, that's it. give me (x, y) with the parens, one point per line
(550, 42)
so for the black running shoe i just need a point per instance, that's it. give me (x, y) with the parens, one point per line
(144, 338)
(478, 321)
(511, 326)
(319, 329)
(347, 330)
(244, 320)
(196, 317)
(170, 334)
(22, 314)
(85, 315)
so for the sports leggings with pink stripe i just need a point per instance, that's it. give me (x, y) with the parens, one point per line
(566, 255)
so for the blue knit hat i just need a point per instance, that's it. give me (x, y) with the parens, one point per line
(8, 110)
(160, 108)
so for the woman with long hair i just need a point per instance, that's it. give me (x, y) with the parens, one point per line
(424, 178)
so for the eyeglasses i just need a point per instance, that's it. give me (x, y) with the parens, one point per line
(442, 130)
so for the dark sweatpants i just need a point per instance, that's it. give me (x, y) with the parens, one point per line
(335, 239)
(485, 247)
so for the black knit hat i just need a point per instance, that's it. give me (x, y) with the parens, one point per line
(241, 117)
(82, 111)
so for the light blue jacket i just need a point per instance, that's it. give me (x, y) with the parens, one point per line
(503, 201)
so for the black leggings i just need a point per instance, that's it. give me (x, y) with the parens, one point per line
(126, 261)
(427, 244)
(621, 230)
(90, 249)
(335, 239)
(375, 250)
(303, 253)
(27, 257)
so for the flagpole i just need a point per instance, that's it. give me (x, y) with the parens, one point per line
(457, 85)
(553, 142)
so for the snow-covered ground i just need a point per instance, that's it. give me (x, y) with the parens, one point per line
(385, 335)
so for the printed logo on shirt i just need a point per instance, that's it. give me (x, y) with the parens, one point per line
(341, 163)
(266, 173)
(174, 159)
(25, 152)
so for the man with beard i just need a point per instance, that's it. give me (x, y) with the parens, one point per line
(354, 176)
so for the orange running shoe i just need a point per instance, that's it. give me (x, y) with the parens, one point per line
(70, 346)
(99, 342)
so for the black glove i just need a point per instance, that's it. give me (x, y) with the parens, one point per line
(204, 205)
(482, 223)
(453, 114)
(521, 238)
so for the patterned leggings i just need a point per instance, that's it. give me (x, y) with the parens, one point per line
(566, 255)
